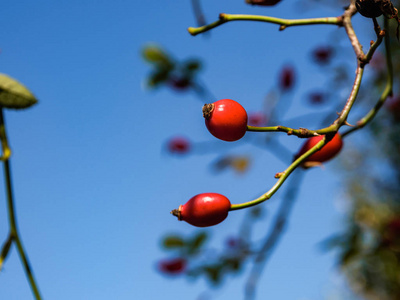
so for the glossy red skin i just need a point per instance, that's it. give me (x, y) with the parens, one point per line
(228, 120)
(331, 149)
(172, 266)
(205, 209)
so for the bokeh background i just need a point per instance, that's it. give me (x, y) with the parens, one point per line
(94, 181)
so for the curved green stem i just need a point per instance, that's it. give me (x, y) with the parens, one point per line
(304, 132)
(11, 215)
(224, 18)
(282, 177)
(352, 98)
(386, 92)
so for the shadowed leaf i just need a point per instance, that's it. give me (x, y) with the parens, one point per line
(5, 249)
(14, 95)
(171, 242)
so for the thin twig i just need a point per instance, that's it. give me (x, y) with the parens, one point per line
(11, 214)
(386, 92)
(272, 238)
(224, 18)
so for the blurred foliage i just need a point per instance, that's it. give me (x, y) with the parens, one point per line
(179, 75)
(14, 95)
(368, 246)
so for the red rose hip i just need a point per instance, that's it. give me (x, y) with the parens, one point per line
(203, 210)
(226, 119)
(330, 150)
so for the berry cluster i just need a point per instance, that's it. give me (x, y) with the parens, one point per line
(227, 120)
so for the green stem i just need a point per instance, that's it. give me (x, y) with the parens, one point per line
(301, 132)
(352, 98)
(12, 219)
(386, 92)
(224, 18)
(304, 132)
(282, 177)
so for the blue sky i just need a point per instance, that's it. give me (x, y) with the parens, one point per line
(93, 187)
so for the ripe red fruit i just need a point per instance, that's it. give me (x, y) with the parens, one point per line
(178, 145)
(172, 266)
(203, 210)
(225, 119)
(331, 149)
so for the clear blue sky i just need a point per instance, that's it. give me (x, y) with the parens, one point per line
(93, 187)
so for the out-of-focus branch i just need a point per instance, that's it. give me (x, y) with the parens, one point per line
(198, 13)
(272, 238)
(386, 92)
(283, 176)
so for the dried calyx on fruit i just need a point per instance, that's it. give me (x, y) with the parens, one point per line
(226, 119)
(204, 210)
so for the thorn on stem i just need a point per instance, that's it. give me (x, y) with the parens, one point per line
(348, 124)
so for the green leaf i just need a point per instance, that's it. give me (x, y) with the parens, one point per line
(14, 95)
(5, 249)
(158, 77)
(197, 242)
(154, 54)
(173, 241)
(214, 273)
(193, 65)
(233, 263)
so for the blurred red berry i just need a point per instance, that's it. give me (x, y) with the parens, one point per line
(179, 84)
(330, 150)
(394, 107)
(179, 145)
(317, 98)
(378, 61)
(394, 226)
(172, 266)
(323, 54)
(263, 2)
(234, 242)
(257, 119)
(287, 78)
